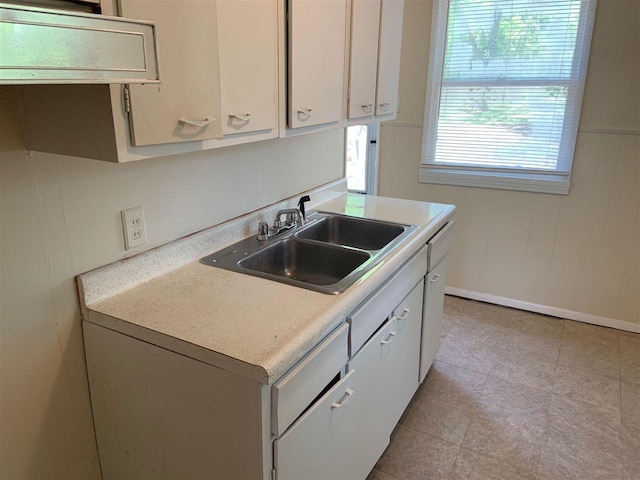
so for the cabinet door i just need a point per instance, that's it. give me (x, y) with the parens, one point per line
(317, 34)
(186, 105)
(389, 56)
(390, 362)
(248, 39)
(334, 439)
(363, 60)
(432, 317)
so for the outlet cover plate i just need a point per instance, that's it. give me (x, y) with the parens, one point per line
(133, 227)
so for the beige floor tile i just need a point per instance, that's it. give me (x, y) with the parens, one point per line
(444, 420)
(624, 333)
(602, 359)
(515, 439)
(630, 395)
(489, 313)
(521, 346)
(564, 456)
(445, 329)
(378, 475)
(455, 305)
(591, 334)
(586, 387)
(583, 419)
(451, 384)
(630, 358)
(416, 455)
(459, 320)
(631, 451)
(509, 398)
(583, 441)
(524, 371)
(470, 465)
(471, 348)
(523, 391)
(537, 325)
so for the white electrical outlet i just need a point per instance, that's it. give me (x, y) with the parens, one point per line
(133, 228)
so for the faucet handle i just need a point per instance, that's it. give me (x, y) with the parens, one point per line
(263, 231)
(303, 199)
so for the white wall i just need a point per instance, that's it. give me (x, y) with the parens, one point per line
(579, 252)
(59, 218)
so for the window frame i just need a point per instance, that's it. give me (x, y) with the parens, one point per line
(371, 158)
(520, 179)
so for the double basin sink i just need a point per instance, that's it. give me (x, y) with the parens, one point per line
(327, 254)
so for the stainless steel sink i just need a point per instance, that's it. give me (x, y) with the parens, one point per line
(306, 262)
(352, 232)
(328, 254)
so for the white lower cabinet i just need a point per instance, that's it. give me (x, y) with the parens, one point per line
(432, 316)
(390, 361)
(438, 246)
(335, 439)
(329, 417)
(345, 432)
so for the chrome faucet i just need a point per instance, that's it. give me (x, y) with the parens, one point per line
(294, 217)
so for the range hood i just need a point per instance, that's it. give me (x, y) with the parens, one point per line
(43, 45)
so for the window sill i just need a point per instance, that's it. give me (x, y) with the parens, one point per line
(558, 185)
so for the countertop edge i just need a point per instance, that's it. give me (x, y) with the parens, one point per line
(177, 345)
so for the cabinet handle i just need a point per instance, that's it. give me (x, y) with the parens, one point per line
(344, 400)
(367, 106)
(196, 123)
(404, 315)
(389, 339)
(434, 279)
(305, 110)
(245, 118)
(385, 105)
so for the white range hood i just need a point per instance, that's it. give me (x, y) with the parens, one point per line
(43, 45)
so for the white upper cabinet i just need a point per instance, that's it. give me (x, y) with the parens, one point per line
(374, 58)
(186, 105)
(232, 72)
(248, 42)
(317, 45)
(365, 21)
(389, 57)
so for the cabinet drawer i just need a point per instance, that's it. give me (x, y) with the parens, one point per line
(296, 389)
(369, 316)
(439, 245)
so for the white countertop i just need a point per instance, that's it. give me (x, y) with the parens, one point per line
(246, 325)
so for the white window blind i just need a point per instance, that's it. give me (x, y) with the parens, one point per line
(504, 92)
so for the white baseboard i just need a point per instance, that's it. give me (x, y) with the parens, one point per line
(546, 310)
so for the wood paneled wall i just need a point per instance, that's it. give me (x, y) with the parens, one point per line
(579, 252)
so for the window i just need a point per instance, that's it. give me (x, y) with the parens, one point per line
(504, 92)
(361, 158)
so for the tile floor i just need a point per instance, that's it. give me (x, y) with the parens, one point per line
(516, 395)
